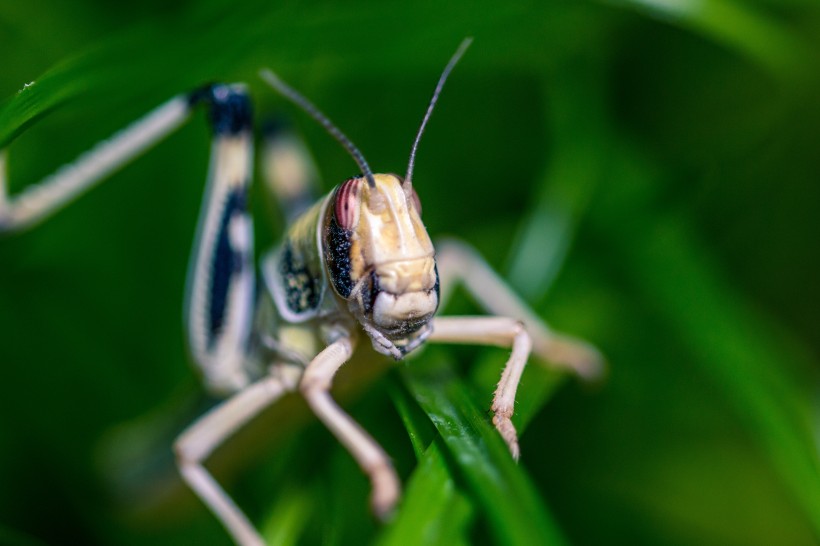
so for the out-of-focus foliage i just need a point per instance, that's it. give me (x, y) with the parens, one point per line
(644, 172)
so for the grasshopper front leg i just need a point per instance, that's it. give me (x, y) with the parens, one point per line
(195, 445)
(372, 459)
(460, 263)
(516, 327)
(501, 332)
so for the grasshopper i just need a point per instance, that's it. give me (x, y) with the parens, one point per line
(357, 261)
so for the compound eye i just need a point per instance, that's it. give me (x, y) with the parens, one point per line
(414, 200)
(347, 203)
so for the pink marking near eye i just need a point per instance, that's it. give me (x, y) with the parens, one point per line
(346, 202)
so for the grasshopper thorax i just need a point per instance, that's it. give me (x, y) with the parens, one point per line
(381, 261)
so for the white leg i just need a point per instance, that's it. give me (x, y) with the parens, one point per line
(55, 191)
(315, 386)
(194, 446)
(502, 332)
(459, 262)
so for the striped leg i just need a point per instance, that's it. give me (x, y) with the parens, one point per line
(219, 301)
(40, 200)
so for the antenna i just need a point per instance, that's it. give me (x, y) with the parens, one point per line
(296, 98)
(408, 179)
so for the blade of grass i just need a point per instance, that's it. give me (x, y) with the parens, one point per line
(741, 27)
(433, 511)
(574, 108)
(9, 536)
(515, 512)
(219, 40)
(751, 363)
(284, 524)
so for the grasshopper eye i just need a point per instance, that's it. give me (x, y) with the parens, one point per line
(347, 203)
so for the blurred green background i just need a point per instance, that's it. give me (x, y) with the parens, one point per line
(643, 172)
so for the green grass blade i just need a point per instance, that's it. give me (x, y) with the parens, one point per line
(579, 149)
(433, 511)
(514, 511)
(740, 26)
(286, 521)
(750, 362)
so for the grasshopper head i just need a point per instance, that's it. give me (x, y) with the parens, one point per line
(381, 261)
(378, 255)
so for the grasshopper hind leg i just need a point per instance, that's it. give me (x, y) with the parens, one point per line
(220, 296)
(222, 306)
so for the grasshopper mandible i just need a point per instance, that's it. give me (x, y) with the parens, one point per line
(358, 260)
